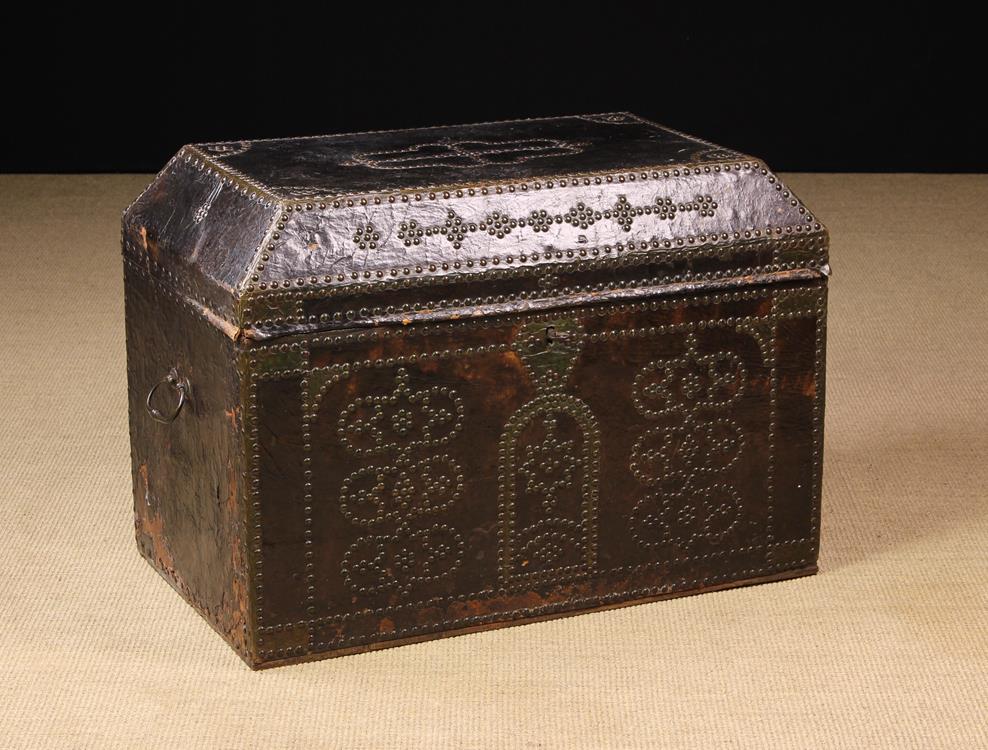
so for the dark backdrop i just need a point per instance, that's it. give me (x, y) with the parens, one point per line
(825, 90)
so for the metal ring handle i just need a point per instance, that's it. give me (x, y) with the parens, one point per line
(176, 383)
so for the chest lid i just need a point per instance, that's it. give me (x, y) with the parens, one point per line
(273, 237)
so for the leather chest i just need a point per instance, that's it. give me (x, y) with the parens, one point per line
(392, 386)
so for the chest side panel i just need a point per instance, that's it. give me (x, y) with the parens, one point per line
(187, 472)
(465, 474)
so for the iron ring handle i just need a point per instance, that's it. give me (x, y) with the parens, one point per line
(176, 383)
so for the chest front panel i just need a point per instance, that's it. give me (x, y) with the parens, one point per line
(453, 475)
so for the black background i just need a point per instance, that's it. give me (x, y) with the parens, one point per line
(819, 89)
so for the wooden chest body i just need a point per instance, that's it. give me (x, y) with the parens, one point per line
(448, 379)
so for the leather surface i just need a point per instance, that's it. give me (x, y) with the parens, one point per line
(187, 474)
(467, 474)
(520, 150)
(459, 408)
(196, 232)
(227, 224)
(471, 234)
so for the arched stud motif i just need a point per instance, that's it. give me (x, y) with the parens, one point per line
(682, 458)
(549, 459)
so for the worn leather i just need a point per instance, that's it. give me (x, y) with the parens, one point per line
(471, 229)
(456, 378)
(230, 223)
(419, 482)
(425, 158)
(188, 474)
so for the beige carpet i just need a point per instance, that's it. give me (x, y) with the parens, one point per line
(887, 647)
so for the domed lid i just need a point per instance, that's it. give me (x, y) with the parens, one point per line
(234, 225)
